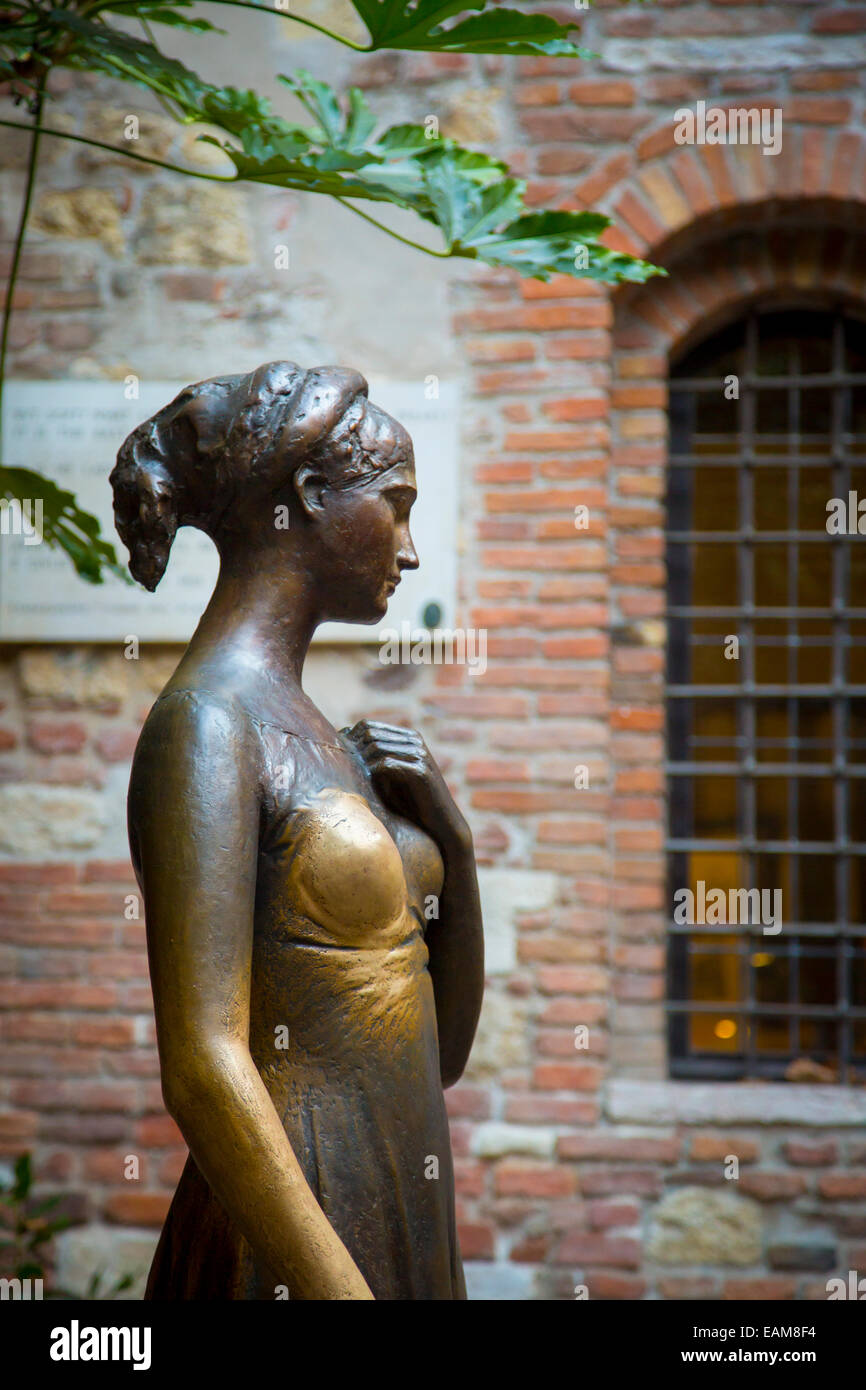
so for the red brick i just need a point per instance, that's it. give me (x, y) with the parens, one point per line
(804, 1155)
(601, 1215)
(828, 80)
(57, 736)
(533, 1180)
(613, 93)
(849, 21)
(601, 1285)
(588, 346)
(573, 980)
(108, 871)
(18, 1126)
(842, 1186)
(583, 125)
(56, 994)
(611, 1146)
(171, 1168)
(157, 1132)
(70, 335)
(773, 1187)
(476, 1240)
(544, 499)
(633, 211)
(689, 1289)
(472, 1102)
(819, 110)
(107, 1032)
(436, 67)
(716, 1148)
(553, 1076)
(543, 1109)
(760, 1290)
(562, 161)
(632, 1182)
(198, 287)
(109, 1166)
(469, 1178)
(492, 770)
(579, 1248)
(577, 408)
(137, 1208)
(530, 1250)
(538, 93)
(502, 350)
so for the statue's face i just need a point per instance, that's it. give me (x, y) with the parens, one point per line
(367, 544)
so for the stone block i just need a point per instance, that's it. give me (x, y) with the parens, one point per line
(111, 1254)
(206, 225)
(695, 1226)
(40, 822)
(504, 893)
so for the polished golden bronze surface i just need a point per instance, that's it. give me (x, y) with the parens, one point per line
(313, 922)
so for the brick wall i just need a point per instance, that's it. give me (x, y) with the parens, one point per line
(573, 1167)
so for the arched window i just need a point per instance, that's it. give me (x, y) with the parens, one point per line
(766, 699)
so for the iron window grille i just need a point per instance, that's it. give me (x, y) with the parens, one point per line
(766, 749)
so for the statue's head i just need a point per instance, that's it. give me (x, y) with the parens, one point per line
(281, 466)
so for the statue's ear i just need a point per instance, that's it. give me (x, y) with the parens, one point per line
(309, 484)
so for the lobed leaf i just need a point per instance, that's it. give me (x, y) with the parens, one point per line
(65, 526)
(419, 24)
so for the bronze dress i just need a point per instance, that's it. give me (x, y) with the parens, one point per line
(342, 1030)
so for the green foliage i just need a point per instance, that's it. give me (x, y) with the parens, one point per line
(476, 206)
(64, 524)
(419, 24)
(25, 1226)
(470, 198)
(95, 1286)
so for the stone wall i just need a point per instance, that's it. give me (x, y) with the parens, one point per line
(574, 1168)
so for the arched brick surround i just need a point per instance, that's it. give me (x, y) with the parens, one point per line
(789, 249)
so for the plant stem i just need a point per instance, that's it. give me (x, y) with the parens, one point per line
(416, 245)
(148, 34)
(125, 154)
(32, 159)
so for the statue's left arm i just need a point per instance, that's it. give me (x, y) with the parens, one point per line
(407, 777)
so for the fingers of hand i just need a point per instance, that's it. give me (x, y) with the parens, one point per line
(374, 740)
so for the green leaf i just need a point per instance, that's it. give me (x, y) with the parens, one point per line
(418, 24)
(65, 526)
(120, 1285)
(542, 244)
(466, 208)
(23, 1178)
(160, 12)
(100, 48)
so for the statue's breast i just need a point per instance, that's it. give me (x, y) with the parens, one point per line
(337, 866)
(341, 866)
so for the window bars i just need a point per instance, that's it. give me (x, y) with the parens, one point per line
(766, 697)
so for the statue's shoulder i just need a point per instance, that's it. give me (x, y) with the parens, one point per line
(195, 716)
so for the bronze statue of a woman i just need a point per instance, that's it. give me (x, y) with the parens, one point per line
(308, 1013)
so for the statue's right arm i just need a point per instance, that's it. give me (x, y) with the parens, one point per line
(194, 825)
